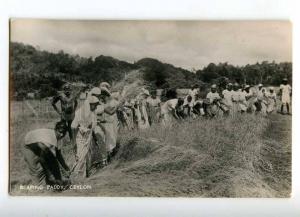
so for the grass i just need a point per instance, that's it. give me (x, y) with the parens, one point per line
(244, 156)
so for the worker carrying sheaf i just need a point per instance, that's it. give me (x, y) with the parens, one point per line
(43, 156)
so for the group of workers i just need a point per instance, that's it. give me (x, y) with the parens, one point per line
(93, 126)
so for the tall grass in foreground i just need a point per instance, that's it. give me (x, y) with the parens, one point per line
(222, 157)
(242, 156)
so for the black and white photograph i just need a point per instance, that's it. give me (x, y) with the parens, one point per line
(150, 108)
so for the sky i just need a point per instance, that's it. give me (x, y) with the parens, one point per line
(186, 44)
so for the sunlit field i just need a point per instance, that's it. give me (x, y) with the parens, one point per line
(241, 156)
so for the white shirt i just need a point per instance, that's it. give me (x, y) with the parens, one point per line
(235, 96)
(212, 96)
(84, 118)
(193, 93)
(227, 96)
(168, 106)
(286, 90)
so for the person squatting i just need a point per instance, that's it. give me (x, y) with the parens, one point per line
(93, 127)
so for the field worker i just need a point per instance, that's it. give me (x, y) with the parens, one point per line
(141, 110)
(214, 100)
(169, 111)
(235, 97)
(243, 96)
(213, 95)
(153, 105)
(68, 107)
(198, 106)
(99, 135)
(285, 92)
(83, 125)
(259, 98)
(110, 121)
(85, 108)
(227, 96)
(42, 156)
(271, 97)
(188, 106)
(105, 84)
(127, 114)
(193, 92)
(261, 102)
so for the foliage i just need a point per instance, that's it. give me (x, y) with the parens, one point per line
(269, 73)
(43, 72)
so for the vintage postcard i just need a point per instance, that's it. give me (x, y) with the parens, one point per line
(150, 108)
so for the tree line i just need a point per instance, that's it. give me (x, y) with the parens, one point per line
(43, 72)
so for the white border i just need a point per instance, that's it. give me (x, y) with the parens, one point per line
(137, 9)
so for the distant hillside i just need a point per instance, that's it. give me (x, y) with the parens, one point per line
(164, 75)
(43, 72)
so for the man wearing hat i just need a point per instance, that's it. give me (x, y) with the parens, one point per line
(68, 107)
(285, 92)
(83, 126)
(43, 157)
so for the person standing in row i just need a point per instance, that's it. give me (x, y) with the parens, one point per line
(193, 92)
(141, 110)
(227, 97)
(285, 92)
(68, 104)
(153, 105)
(235, 97)
(83, 126)
(110, 120)
(272, 98)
